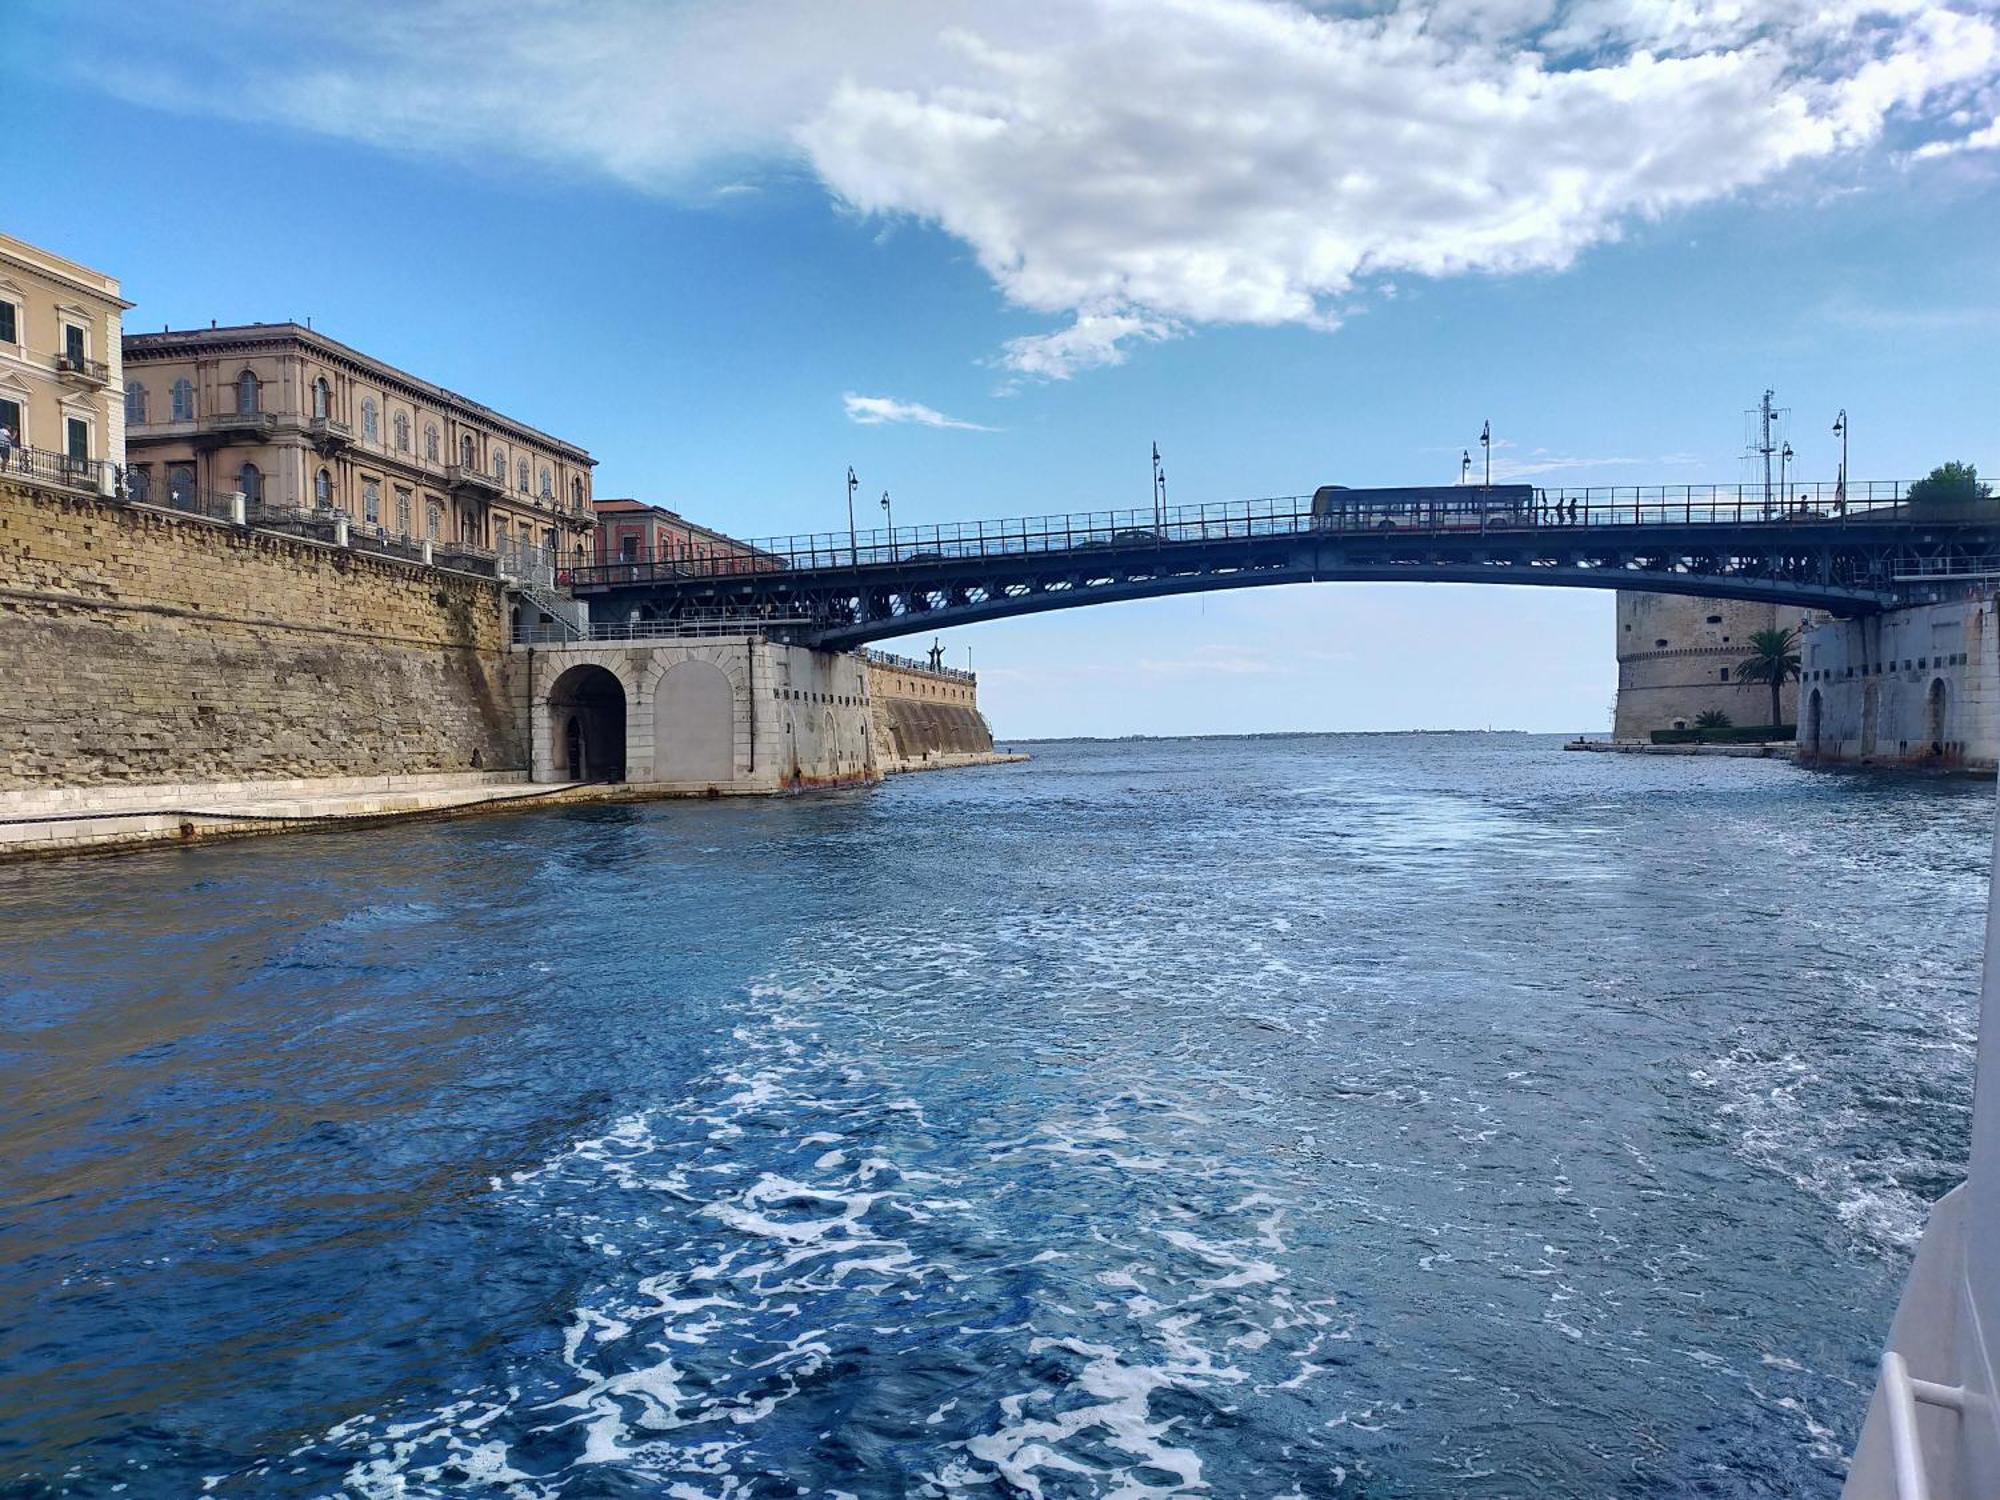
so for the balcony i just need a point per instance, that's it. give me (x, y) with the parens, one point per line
(83, 371)
(461, 479)
(329, 434)
(236, 427)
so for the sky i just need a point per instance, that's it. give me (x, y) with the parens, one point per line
(987, 255)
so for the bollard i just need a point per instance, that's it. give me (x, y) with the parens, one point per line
(239, 508)
(340, 530)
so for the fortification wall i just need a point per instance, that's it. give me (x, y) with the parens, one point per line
(141, 646)
(1917, 687)
(922, 718)
(1677, 657)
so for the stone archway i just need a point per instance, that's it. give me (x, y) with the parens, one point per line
(586, 720)
(694, 724)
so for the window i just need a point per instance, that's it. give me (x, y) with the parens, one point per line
(628, 548)
(323, 490)
(183, 400)
(250, 480)
(549, 540)
(371, 501)
(402, 432)
(180, 485)
(322, 399)
(402, 511)
(500, 533)
(10, 418)
(246, 393)
(431, 441)
(139, 484)
(1715, 619)
(1725, 674)
(73, 343)
(466, 456)
(500, 467)
(576, 494)
(10, 323)
(521, 475)
(548, 485)
(371, 421)
(77, 445)
(433, 514)
(135, 401)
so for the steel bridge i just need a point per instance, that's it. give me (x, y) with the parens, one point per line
(1851, 551)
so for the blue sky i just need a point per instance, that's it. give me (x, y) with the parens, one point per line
(1293, 246)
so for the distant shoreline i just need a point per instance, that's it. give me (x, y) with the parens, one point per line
(1282, 734)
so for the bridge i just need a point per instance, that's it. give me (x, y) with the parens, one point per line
(1851, 550)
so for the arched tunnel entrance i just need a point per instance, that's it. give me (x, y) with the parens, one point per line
(587, 725)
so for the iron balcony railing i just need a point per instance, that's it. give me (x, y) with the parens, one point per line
(94, 370)
(330, 430)
(466, 477)
(39, 466)
(1351, 512)
(262, 423)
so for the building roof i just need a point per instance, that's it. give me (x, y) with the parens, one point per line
(181, 342)
(60, 268)
(626, 506)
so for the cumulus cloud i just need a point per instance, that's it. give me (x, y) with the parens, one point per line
(874, 411)
(1135, 169)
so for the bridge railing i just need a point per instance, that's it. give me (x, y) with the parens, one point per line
(1500, 509)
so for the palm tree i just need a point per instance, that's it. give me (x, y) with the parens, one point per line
(1774, 659)
(1713, 718)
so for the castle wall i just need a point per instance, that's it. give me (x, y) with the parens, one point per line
(140, 646)
(1918, 686)
(922, 718)
(1677, 657)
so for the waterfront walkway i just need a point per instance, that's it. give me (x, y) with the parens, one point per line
(37, 823)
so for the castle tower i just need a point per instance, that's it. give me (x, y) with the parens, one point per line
(1677, 656)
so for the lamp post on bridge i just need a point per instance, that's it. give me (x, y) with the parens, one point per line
(1464, 465)
(853, 551)
(892, 525)
(1840, 489)
(1785, 457)
(1486, 448)
(1159, 491)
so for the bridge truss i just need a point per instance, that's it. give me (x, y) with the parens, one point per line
(1851, 554)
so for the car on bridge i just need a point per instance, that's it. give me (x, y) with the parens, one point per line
(1452, 507)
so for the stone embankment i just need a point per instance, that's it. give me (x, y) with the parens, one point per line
(927, 719)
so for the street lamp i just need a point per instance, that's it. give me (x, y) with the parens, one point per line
(1464, 465)
(892, 525)
(1840, 489)
(1159, 490)
(1486, 447)
(1784, 478)
(853, 551)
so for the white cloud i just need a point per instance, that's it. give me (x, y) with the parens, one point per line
(1139, 168)
(873, 411)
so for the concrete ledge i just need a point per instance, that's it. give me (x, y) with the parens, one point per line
(1770, 750)
(117, 796)
(953, 761)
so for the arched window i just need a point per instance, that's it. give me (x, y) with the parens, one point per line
(250, 480)
(500, 467)
(521, 475)
(431, 441)
(371, 421)
(371, 501)
(548, 484)
(183, 400)
(141, 484)
(322, 399)
(135, 401)
(575, 493)
(466, 455)
(433, 514)
(323, 490)
(402, 432)
(246, 393)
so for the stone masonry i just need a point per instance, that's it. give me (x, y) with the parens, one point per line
(138, 645)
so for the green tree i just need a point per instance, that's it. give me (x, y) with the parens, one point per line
(1713, 718)
(1774, 659)
(1948, 487)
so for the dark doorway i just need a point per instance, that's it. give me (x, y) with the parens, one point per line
(587, 706)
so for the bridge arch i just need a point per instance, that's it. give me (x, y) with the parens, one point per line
(694, 724)
(584, 725)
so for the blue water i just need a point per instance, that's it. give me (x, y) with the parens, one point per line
(1384, 1116)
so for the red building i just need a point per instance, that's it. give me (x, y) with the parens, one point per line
(634, 532)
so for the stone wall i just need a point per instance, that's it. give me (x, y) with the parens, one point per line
(140, 646)
(1677, 657)
(924, 718)
(1917, 687)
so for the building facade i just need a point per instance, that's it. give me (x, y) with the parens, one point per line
(297, 421)
(1914, 687)
(633, 531)
(1678, 657)
(60, 331)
